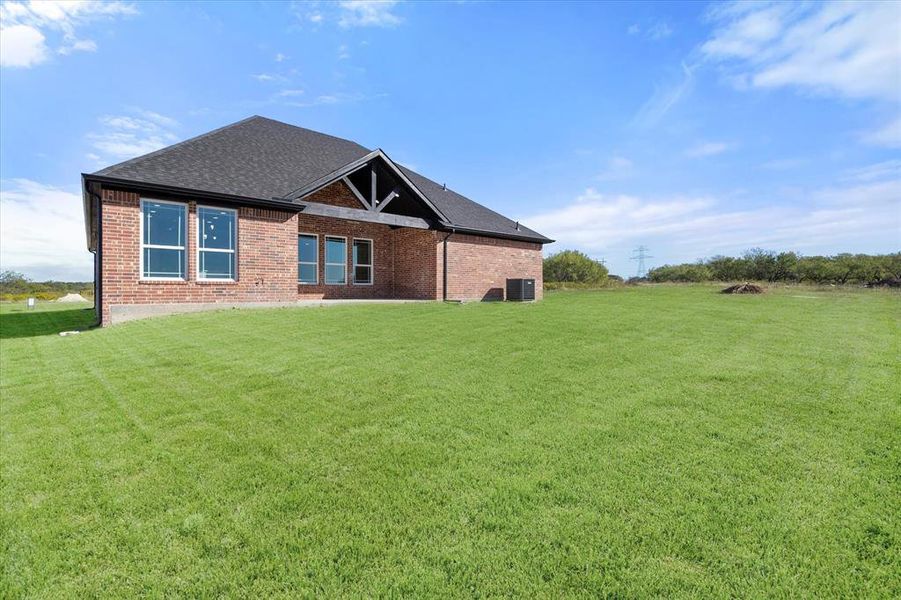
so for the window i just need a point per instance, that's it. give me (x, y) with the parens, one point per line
(363, 262)
(216, 243)
(335, 260)
(163, 235)
(308, 259)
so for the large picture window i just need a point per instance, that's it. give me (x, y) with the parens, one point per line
(217, 243)
(362, 262)
(163, 239)
(335, 260)
(308, 258)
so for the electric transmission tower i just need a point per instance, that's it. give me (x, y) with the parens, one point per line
(640, 254)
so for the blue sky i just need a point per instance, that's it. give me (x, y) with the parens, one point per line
(692, 129)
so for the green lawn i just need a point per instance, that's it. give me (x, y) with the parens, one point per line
(650, 441)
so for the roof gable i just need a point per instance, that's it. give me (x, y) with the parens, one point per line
(376, 158)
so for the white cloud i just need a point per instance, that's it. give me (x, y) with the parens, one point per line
(888, 136)
(21, 46)
(659, 31)
(348, 13)
(784, 164)
(618, 167)
(334, 98)
(127, 145)
(368, 13)
(708, 149)
(42, 232)
(126, 136)
(24, 28)
(75, 45)
(664, 98)
(156, 117)
(885, 170)
(845, 49)
(655, 32)
(597, 221)
(267, 77)
(862, 211)
(343, 52)
(280, 57)
(290, 93)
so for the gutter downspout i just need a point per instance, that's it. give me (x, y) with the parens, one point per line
(444, 279)
(98, 264)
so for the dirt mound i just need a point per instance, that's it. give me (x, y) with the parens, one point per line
(892, 282)
(72, 298)
(743, 288)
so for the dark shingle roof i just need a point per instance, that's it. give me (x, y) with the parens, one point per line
(254, 158)
(465, 213)
(264, 159)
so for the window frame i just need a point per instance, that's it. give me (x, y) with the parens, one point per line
(142, 246)
(371, 265)
(219, 250)
(312, 235)
(327, 264)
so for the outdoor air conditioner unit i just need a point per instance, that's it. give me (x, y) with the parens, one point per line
(520, 289)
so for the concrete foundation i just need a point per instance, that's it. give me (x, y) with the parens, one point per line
(120, 313)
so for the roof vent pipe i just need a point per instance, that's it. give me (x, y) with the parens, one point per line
(517, 226)
(444, 186)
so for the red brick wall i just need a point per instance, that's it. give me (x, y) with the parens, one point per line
(336, 194)
(267, 258)
(478, 267)
(382, 251)
(417, 273)
(408, 263)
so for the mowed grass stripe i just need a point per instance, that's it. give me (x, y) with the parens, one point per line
(662, 440)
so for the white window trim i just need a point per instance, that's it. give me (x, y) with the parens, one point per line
(371, 264)
(222, 250)
(312, 235)
(142, 245)
(328, 264)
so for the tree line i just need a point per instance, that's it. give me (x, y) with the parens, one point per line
(16, 286)
(789, 267)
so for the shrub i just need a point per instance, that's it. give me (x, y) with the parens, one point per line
(569, 285)
(572, 266)
(687, 273)
(727, 268)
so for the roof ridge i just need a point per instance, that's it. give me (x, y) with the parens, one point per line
(181, 143)
(328, 135)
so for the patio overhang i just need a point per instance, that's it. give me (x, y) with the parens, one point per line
(366, 216)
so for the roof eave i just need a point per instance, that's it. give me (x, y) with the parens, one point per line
(146, 186)
(535, 239)
(88, 211)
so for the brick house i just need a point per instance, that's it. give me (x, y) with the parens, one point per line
(262, 213)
